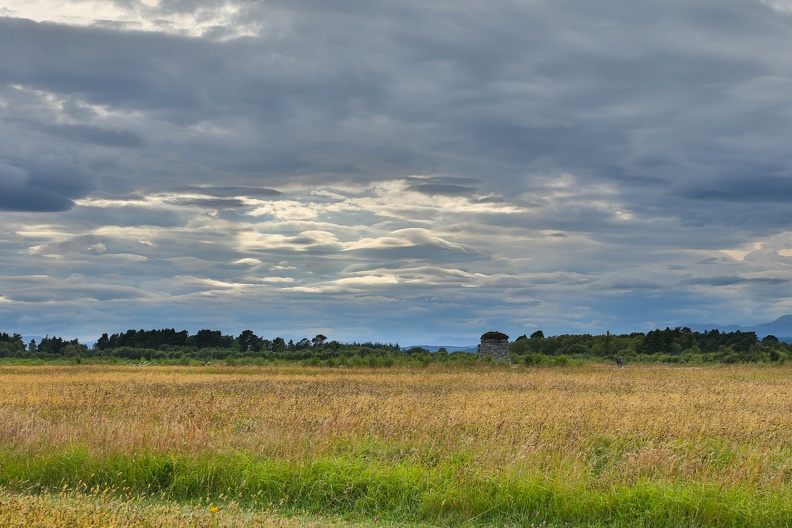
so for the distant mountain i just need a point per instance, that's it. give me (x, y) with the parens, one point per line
(458, 341)
(781, 328)
(461, 344)
(435, 348)
(27, 338)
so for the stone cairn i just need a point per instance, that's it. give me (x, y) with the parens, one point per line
(495, 344)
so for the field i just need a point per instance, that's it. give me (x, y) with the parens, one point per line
(493, 446)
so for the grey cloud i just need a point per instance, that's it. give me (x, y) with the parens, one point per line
(30, 198)
(214, 203)
(634, 140)
(44, 189)
(41, 288)
(735, 281)
(418, 252)
(493, 141)
(636, 284)
(713, 260)
(126, 70)
(440, 188)
(98, 136)
(127, 216)
(748, 187)
(76, 293)
(230, 192)
(80, 244)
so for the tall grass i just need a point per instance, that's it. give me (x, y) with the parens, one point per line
(641, 446)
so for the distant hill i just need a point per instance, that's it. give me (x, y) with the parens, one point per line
(461, 344)
(781, 328)
(435, 348)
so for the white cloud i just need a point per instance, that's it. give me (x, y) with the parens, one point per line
(277, 279)
(303, 241)
(144, 15)
(248, 261)
(402, 238)
(741, 253)
(348, 284)
(783, 6)
(288, 210)
(125, 258)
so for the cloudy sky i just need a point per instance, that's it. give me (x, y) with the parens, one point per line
(400, 171)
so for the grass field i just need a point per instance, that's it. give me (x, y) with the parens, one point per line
(220, 446)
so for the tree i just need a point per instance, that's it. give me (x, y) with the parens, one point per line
(319, 340)
(248, 341)
(74, 349)
(278, 345)
(51, 345)
(11, 345)
(206, 338)
(103, 342)
(537, 335)
(212, 339)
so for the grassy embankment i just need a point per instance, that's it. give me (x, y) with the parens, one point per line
(587, 446)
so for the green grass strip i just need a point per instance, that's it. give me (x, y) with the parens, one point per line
(400, 491)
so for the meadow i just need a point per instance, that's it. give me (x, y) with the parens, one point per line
(490, 445)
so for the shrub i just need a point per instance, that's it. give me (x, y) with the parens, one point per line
(493, 335)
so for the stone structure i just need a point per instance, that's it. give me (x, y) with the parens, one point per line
(495, 344)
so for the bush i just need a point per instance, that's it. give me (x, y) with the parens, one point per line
(493, 335)
(536, 360)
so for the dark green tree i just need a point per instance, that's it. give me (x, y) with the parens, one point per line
(278, 345)
(249, 342)
(212, 339)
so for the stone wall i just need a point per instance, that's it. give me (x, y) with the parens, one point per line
(497, 348)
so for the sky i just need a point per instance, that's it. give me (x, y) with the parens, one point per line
(405, 171)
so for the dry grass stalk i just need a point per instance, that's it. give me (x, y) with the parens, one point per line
(720, 424)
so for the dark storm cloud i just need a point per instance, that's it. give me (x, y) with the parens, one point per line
(42, 187)
(571, 156)
(498, 99)
(750, 187)
(31, 198)
(126, 70)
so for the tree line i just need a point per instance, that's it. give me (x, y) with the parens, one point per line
(677, 345)
(169, 346)
(671, 345)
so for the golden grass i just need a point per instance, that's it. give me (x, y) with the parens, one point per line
(72, 509)
(596, 425)
(663, 417)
